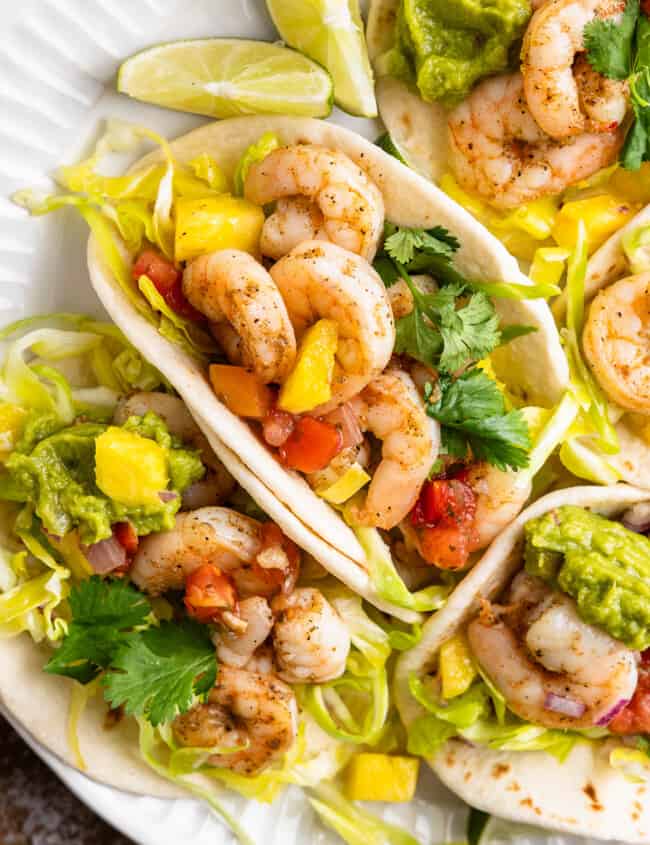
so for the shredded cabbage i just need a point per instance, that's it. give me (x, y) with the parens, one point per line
(150, 748)
(636, 246)
(258, 151)
(125, 211)
(383, 574)
(354, 825)
(177, 329)
(479, 716)
(632, 762)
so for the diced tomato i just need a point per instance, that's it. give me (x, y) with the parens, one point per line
(168, 281)
(645, 7)
(444, 520)
(445, 546)
(126, 536)
(277, 426)
(208, 593)
(311, 445)
(447, 501)
(635, 718)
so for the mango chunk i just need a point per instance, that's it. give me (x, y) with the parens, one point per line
(12, 419)
(309, 384)
(210, 223)
(456, 667)
(352, 480)
(130, 469)
(381, 777)
(602, 215)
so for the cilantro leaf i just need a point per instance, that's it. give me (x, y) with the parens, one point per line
(162, 669)
(609, 43)
(468, 333)
(443, 335)
(636, 149)
(104, 613)
(472, 412)
(401, 243)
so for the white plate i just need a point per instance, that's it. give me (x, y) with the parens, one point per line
(57, 65)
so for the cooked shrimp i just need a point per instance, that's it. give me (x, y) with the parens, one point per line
(310, 639)
(553, 669)
(319, 279)
(263, 661)
(565, 95)
(228, 539)
(236, 648)
(243, 709)
(217, 484)
(395, 413)
(616, 341)
(498, 150)
(351, 206)
(294, 220)
(500, 496)
(235, 292)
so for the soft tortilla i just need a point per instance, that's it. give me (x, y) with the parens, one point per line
(583, 795)
(534, 367)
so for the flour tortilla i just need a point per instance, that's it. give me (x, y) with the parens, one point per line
(583, 795)
(534, 367)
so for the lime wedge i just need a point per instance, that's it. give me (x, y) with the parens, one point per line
(226, 77)
(331, 32)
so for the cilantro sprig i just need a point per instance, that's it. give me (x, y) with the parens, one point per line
(620, 49)
(154, 671)
(449, 331)
(474, 419)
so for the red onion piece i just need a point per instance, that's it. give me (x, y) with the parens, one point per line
(347, 423)
(565, 706)
(277, 427)
(616, 709)
(637, 518)
(106, 555)
(167, 496)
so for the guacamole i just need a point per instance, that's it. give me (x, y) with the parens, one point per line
(446, 46)
(53, 469)
(602, 565)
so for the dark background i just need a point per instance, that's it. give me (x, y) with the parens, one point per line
(36, 808)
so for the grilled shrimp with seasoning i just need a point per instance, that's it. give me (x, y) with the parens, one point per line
(321, 280)
(565, 95)
(325, 194)
(552, 668)
(247, 313)
(392, 409)
(616, 341)
(310, 640)
(255, 711)
(498, 150)
(219, 536)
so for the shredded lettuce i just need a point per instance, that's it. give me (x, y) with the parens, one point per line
(79, 698)
(632, 762)
(354, 825)
(479, 716)
(177, 329)
(150, 749)
(258, 151)
(383, 574)
(636, 246)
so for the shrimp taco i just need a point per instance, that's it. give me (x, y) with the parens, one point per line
(158, 630)
(343, 332)
(528, 692)
(547, 147)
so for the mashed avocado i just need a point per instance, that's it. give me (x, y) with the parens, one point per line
(602, 565)
(53, 469)
(446, 46)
